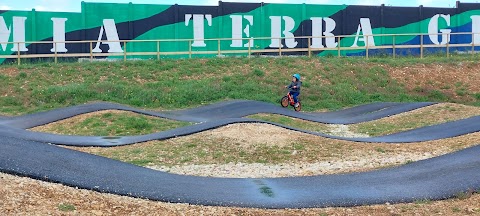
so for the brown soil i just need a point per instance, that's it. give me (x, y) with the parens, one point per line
(244, 135)
(447, 78)
(9, 71)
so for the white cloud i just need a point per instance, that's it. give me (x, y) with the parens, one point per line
(45, 8)
(439, 3)
(40, 8)
(215, 2)
(5, 7)
(319, 2)
(265, 1)
(424, 2)
(56, 5)
(368, 2)
(211, 2)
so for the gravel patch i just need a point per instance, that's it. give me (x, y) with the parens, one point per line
(258, 170)
(343, 131)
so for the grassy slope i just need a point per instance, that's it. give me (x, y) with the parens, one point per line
(330, 83)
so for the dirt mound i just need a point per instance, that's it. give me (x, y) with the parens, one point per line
(459, 81)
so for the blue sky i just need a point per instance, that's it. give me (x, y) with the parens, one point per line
(74, 5)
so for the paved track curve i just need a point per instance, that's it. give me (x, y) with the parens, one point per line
(221, 114)
(432, 179)
(223, 110)
(435, 178)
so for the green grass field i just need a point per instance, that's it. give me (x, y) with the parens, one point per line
(329, 83)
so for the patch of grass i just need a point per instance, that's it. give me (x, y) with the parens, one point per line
(464, 195)
(456, 209)
(258, 73)
(405, 208)
(376, 129)
(446, 87)
(298, 146)
(191, 145)
(437, 95)
(22, 75)
(141, 162)
(174, 84)
(66, 207)
(477, 96)
(111, 125)
(461, 91)
(423, 201)
(450, 108)
(381, 150)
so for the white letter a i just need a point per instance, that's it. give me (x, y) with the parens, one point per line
(366, 29)
(112, 35)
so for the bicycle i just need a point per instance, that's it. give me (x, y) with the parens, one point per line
(288, 100)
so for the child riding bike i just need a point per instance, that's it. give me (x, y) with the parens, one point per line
(295, 88)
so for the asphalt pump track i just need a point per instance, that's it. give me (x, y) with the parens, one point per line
(33, 154)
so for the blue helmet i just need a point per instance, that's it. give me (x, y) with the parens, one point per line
(297, 76)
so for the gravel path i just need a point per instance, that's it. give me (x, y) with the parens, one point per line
(258, 170)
